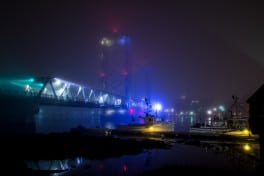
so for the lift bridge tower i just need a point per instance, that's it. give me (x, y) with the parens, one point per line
(115, 64)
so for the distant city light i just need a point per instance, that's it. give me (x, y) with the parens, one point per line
(221, 108)
(169, 110)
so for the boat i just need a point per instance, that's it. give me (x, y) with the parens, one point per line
(149, 125)
(208, 130)
(234, 125)
(231, 127)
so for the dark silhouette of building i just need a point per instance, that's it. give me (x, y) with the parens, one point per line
(256, 111)
(256, 120)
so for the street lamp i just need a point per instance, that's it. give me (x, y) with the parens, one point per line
(157, 107)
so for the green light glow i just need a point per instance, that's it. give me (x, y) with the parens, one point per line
(31, 80)
(222, 108)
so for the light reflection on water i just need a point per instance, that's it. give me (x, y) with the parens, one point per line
(205, 154)
(49, 117)
(214, 154)
(57, 165)
(243, 153)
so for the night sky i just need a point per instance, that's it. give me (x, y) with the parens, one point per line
(206, 50)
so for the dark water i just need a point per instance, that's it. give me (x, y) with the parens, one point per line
(180, 156)
(60, 119)
(68, 154)
(155, 156)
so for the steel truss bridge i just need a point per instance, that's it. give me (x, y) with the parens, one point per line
(56, 91)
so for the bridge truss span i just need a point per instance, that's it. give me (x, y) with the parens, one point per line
(52, 90)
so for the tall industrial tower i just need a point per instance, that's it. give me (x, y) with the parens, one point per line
(115, 63)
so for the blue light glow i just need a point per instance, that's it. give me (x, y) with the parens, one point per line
(123, 40)
(157, 107)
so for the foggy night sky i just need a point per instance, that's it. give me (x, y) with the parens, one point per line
(201, 49)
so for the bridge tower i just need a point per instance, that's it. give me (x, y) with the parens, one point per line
(115, 63)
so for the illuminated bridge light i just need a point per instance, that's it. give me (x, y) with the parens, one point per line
(101, 100)
(27, 88)
(57, 81)
(29, 80)
(62, 90)
(39, 84)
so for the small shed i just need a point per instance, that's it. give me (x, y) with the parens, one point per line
(256, 111)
